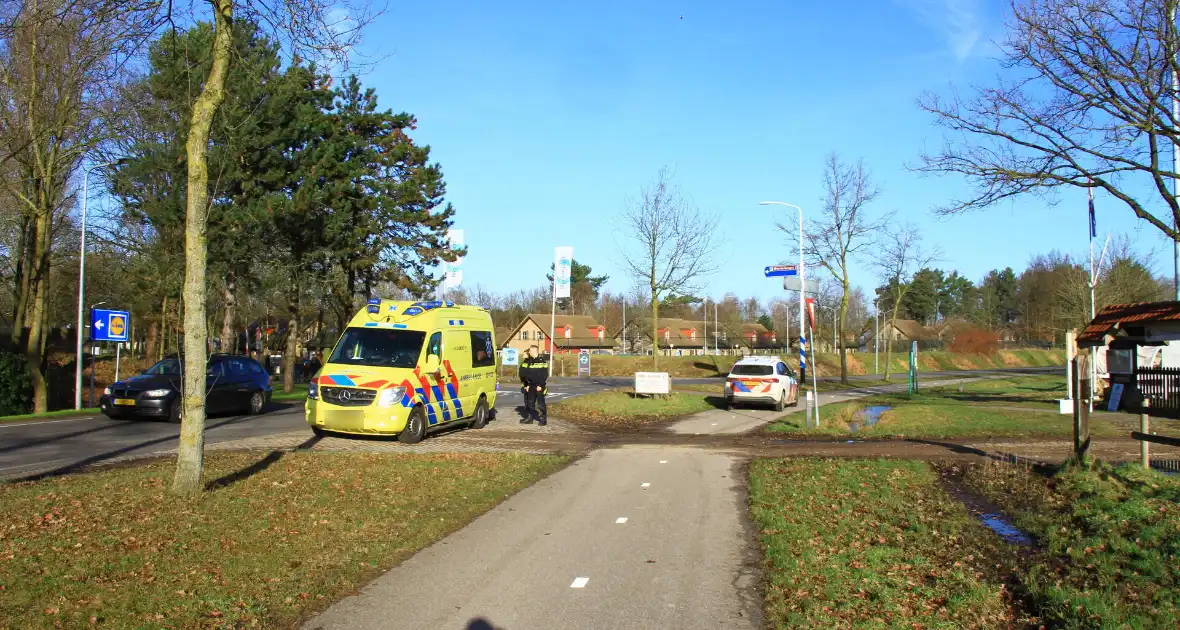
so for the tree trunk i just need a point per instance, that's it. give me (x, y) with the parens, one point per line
(227, 323)
(38, 290)
(21, 290)
(190, 457)
(163, 329)
(153, 334)
(655, 332)
(841, 346)
(292, 335)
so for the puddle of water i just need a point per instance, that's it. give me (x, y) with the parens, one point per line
(867, 417)
(1006, 530)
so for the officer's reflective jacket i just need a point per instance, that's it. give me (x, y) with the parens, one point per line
(534, 370)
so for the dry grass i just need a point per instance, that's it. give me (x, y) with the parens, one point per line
(282, 535)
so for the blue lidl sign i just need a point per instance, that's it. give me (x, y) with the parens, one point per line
(109, 325)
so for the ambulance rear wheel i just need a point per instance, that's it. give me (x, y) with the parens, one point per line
(415, 427)
(480, 418)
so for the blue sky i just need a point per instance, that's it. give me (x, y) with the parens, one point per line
(547, 116)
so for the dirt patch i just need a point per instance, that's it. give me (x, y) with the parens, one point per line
(1009, 359)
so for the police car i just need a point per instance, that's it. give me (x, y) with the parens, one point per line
(761, 380)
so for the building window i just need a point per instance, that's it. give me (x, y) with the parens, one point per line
(524, 335)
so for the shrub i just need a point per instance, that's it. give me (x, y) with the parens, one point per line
(976, 341)
(16, 386)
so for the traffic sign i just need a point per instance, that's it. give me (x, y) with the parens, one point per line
(510, 357)
(793, 283)
(109, 325)
(584, 362)
(781, 270)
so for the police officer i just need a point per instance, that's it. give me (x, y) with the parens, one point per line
(534, 375)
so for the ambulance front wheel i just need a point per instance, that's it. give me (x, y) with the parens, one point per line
(415, 427)
(480, 418)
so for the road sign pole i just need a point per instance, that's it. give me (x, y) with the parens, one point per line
(118, 353)
(93, 362)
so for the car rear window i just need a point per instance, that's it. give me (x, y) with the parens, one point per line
(752, 369)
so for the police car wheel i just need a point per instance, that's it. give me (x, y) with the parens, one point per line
(415, 427)
(782, 401)
(480, 418)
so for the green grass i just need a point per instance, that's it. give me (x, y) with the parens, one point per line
(63, 413)
(622, 409)
(872, 544)
(1010, 407)
(115, 549)
(1110, 539)
(298, 393)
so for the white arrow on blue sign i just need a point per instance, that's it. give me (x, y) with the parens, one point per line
(781, 270)
(110, 325)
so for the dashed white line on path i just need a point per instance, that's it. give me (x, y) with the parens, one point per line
(645, 485)
(663, 461)
(620, 520)
(580, 582)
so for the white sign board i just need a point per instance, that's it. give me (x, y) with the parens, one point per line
(653, 383)
(792, 283)
(510, 356)
(563, 263)
(453, 271)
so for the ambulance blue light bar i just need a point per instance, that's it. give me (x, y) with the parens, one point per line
(375, 306)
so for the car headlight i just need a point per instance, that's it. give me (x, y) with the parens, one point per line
(106, 391)
(157, 393)
(313, 390)
(391, 396)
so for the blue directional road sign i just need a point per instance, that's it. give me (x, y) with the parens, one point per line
(510, 357)
(781, 270)
(109, 325)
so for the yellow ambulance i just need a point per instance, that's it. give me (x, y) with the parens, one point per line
(404, 368)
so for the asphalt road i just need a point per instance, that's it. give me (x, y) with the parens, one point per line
(625, 538)
(66, 444)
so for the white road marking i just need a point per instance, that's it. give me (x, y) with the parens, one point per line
(580, 582)
(714, 424)
(621, 520)
(663, 461)
(26, 424)
(47, 465)
(645, 485)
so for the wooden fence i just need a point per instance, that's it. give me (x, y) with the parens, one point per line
(1162, 386)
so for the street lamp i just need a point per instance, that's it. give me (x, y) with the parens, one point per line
(82, 282)
(92, 360)
(802, 286)
(802, 298)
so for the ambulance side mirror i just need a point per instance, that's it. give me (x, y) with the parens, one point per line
(432, 364)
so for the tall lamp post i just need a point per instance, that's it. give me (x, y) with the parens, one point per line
(802, 310)
(802, 292)
(82, 282)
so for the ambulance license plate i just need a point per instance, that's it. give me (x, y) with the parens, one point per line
(125, 402)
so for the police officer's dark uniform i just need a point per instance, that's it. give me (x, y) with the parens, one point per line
(534, 375)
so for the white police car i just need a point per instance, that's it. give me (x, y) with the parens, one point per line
(761, 380)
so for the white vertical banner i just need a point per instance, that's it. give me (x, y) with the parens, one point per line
(563, 263)
(453, 271)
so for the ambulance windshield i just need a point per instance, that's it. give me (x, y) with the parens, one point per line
(379, 347)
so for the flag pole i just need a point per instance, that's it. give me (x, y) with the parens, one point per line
(1093, 292)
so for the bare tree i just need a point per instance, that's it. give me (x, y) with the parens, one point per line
(843, 230)
(670, 247)
(1089, 104)
(61, 62)
(308, 28)
(899, 256)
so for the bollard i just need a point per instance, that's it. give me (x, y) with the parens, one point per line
(1144, 425)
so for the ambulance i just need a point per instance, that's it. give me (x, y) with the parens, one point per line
(406, 368)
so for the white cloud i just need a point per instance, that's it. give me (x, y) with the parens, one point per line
(958, 22)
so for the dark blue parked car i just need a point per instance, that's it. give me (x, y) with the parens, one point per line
(233, 384)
